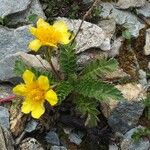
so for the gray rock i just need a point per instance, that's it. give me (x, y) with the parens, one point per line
(105, 46)
(30, 144)
(109, 26)
(52, 138)
(125, 115)
(7, 64)
(125, 4)
(6, 140)
(22, 17)
(58, 148)
(113, 147)
(145, 10)
(147, 45)
(143, 78)
(14, 40)
(125, 18)
(115, 47)
(4, 117)
(5, 90)
(31, 126)
(129, 144)
(89, 36)
(75, 138)
(13, 6)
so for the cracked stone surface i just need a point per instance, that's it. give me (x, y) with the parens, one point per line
(109, 26)
(145, 10)
(8, 7)
(89, 36)
(122, 17)
(129, 144)
(6, 140)
(125, 4)
(124, 115)
(7, 64)
(14, 40)
(22, 17)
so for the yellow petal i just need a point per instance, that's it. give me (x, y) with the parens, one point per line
(20, 89)
(27, 106)
(60, 26)
(65, 39)
(43, 82)
(38, 110)
(32, 30)
(28, 77)
(35, 45)
(51, 45)
(42, 24)
(51, 97)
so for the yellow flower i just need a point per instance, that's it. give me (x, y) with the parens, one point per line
(35, 93)
(49, 35)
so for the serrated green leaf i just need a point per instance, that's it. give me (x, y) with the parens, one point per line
(20, 67)
(100, 67)
(68, 59)
(96, 89)
(88, 107)
(63, 90)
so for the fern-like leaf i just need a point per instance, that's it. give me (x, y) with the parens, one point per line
(96, 89)
(68, 59)
(88, 107)
(100, 67)
(63, 90)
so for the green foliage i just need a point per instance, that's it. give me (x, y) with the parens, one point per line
(63, 89)
(4, 21)
(31, 18)
(140, 133)
(88, 107)
(100, 67)
(126, 34)
(96, 89)
(20, 68)
(68, 59)
(147, 104)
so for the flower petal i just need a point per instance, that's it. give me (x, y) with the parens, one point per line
(38, 110)
(42, 24)
(27, 106)
(50, 44)
(43, 82)
(60, 26)
(51, 97)
(28, 77)
(65, 39)
(35, 45)
(32, 30)
(20, 89)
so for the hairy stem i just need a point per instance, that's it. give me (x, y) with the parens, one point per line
(51, 64)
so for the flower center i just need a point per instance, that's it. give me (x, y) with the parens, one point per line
(49, 35)
(35, 92)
